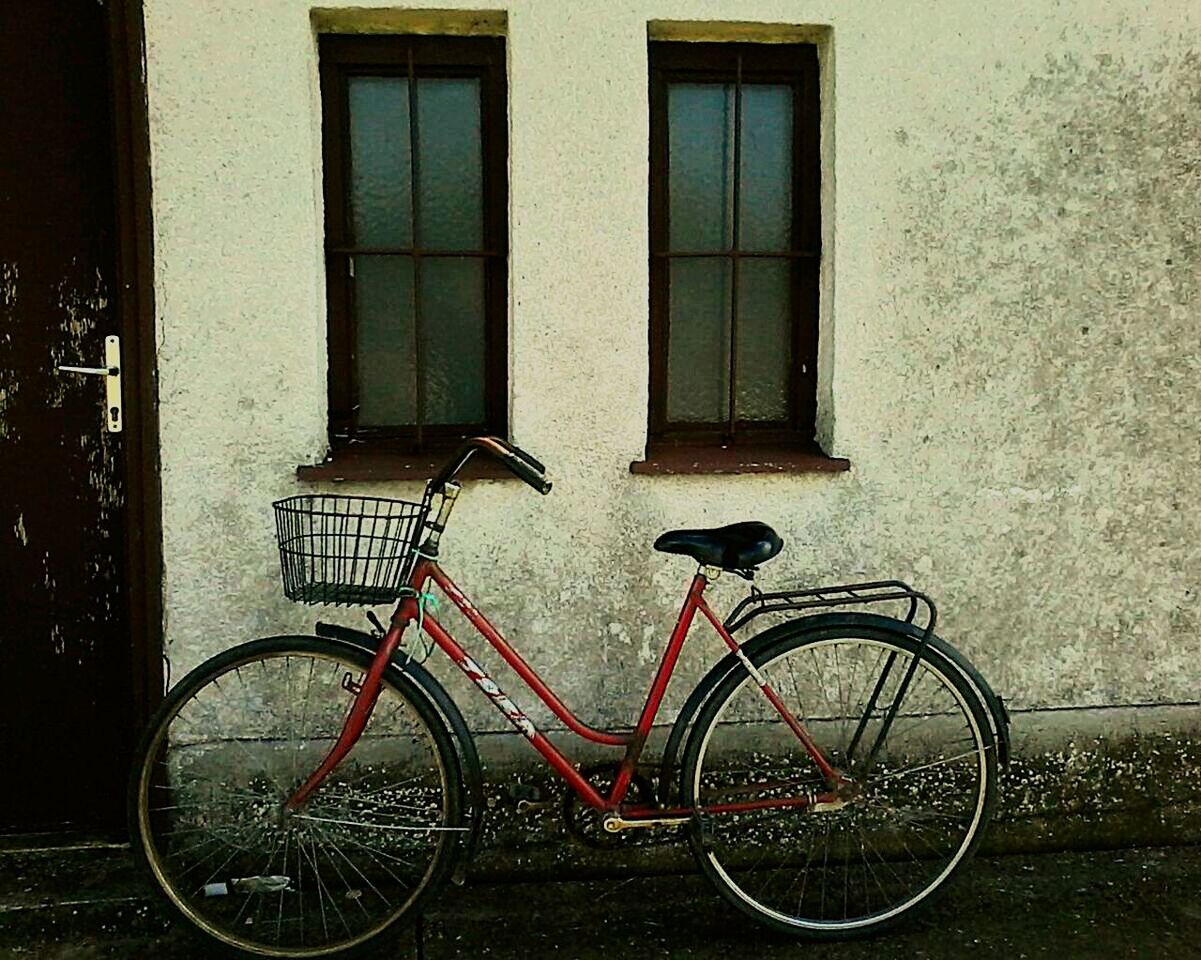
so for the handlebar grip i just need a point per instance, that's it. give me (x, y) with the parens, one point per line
(518, 452)
(530, 475)
(519, 462)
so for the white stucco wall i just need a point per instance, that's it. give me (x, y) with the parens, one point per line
(1013, 195)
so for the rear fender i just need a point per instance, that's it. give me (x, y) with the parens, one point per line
(669, 768)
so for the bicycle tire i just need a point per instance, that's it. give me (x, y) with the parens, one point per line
(752, 754)
(368, 850)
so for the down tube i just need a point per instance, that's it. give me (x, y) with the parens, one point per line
(525, 726)
(529, 676)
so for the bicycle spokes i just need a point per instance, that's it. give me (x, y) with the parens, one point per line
(885, 835)
(260, 876)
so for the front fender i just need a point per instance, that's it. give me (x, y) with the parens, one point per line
(419, 677)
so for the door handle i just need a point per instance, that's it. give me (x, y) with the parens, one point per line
(103, 371)
(111, 371)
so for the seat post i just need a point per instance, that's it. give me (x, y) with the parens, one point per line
(708, 572)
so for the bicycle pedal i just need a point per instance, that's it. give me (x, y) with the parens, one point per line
(350, 685)
(526, 797)
(534, 806)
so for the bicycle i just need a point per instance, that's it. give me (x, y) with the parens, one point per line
(300, 796)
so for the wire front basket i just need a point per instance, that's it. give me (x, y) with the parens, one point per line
(346, 550)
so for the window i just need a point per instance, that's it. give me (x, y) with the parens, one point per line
(416, 238)
(735, 243)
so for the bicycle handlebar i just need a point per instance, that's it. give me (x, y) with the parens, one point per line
(518, 452)
(520, 463)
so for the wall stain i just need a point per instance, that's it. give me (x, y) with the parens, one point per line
(999, 372)
(1051, 258)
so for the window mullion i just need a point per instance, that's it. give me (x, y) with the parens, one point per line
(735, 242)
(415, 222)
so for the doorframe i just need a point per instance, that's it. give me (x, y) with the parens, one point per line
(135, 303)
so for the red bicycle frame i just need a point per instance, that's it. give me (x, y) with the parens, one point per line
(633, 742)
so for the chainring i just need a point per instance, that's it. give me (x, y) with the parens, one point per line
(584, 823)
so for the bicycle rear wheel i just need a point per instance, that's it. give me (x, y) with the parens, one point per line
(911, 816)
(231, 743)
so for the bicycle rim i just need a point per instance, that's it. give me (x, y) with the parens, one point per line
(911, 816)
(232, 743)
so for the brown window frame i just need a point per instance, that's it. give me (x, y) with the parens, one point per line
(739, 63)
(343, 56)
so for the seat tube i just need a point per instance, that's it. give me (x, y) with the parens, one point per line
(654, 698)
(832, 776)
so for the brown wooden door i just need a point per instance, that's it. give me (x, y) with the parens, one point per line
(66, 683)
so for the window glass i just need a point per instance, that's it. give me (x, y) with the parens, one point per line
(381, 172)
(700, 160)
(699, 340)
(450, 165)
(765, 183)
(764, 349)
(384, 320)
(453, 338)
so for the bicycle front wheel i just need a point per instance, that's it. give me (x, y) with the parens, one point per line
(231, 743)
(918, 792)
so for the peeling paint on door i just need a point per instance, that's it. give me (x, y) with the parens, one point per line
(62, 550)
(81, 304)
(8, 304)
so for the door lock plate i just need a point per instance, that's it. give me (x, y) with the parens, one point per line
(114, 416)
(114, 419)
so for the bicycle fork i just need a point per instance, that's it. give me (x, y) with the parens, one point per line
(360, 710)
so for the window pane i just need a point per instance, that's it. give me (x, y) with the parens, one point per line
(700, 120)
(450, 170)
(764, 352)
(383, 288)
(380, 168)
(765, 183)
(452, 339)
(698, 351)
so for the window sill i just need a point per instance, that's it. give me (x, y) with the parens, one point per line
(357, 463)
(686, 460)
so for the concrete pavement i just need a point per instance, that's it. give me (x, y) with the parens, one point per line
(1094, 906)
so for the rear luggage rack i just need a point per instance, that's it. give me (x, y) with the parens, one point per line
(851, 595)
(845, 595)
